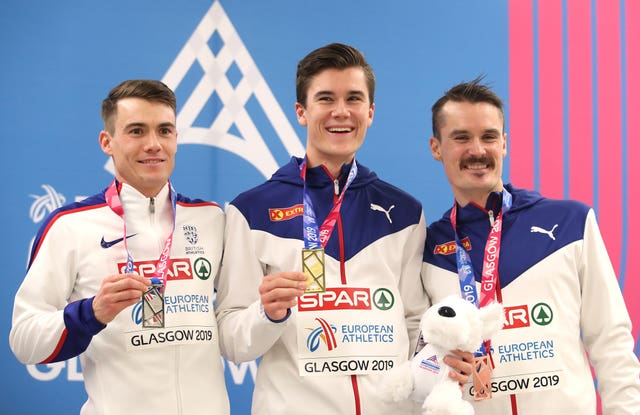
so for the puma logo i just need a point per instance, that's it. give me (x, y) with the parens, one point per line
(381, 209)
(540, 230)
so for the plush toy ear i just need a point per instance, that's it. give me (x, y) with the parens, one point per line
(492, 316)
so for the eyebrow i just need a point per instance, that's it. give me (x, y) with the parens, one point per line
(141, 124)
(328, 92)
(462, 131)
(167, 124)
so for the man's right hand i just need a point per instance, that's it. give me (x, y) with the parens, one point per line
(279, 292)
(116, 293)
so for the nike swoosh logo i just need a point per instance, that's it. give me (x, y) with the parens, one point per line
(109, 244)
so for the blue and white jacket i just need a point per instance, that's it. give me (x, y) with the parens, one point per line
(564, 308)
(377, 241)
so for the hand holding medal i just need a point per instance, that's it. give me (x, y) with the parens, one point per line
(153, 298)
(279, 292)
(116, 293)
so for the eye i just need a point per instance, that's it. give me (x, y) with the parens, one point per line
(136, 131)
(166, 131)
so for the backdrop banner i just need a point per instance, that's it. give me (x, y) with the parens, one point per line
(568, 72)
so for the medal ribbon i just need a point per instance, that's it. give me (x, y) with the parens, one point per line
(313, 235)
(112, 197)
(490, 261)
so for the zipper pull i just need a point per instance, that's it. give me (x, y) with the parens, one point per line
(152, 205)
(491, 220)
(336, 187)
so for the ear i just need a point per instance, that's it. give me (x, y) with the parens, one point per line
(301, 113)
(372, 108)
(504, 145)
(492, 316)
(434, 143)
(105, 142)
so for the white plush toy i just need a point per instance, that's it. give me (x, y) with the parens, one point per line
(451, 324)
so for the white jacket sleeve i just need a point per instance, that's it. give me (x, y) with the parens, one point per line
(245, 331)
(413, 292)
(38, 323)
(606, 327)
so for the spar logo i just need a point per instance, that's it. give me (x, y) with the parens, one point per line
(280, 214)
(179, 269)
(383, 299)
(347, 298)
(519, 316)
(542, 314)
(324, 333)
(449, 248)
(202, 268)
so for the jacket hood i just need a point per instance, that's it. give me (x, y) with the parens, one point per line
(320, 176)
(521, 199)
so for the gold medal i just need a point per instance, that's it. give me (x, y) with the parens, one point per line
(482, 375)
(313, 268)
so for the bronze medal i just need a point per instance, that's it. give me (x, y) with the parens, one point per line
(482, 375)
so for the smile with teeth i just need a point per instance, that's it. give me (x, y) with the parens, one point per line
(153, 161)
(477, 166)
(340, 129)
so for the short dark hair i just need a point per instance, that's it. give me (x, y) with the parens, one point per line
(332, 56)
(474, 92)
(150, 90)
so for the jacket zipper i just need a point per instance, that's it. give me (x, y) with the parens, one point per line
(343, 280)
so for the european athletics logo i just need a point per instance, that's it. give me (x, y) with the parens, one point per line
(326, 333)
(45, 204)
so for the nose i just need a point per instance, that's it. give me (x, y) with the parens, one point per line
(476, 147)
(152, 142)
(446, 311)
(340, 109)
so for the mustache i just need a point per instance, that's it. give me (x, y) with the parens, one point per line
(480, 160)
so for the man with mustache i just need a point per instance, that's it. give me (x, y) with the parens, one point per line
(543, 259)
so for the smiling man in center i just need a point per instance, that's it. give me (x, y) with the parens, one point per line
(320, 275)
